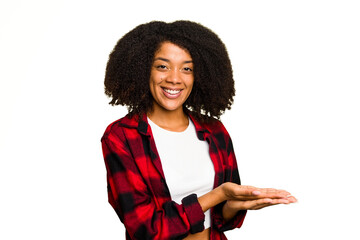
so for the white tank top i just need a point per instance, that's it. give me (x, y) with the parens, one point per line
(186, 163)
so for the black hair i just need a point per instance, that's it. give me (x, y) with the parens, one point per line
(129, 65)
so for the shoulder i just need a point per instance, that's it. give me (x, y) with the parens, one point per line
(216, 127)
(117, 127)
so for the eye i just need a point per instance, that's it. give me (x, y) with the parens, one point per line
(161, 67)
(187, 69)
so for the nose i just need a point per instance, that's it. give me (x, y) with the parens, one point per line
(174, 76)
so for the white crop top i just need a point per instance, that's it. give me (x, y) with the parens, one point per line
(186, 163)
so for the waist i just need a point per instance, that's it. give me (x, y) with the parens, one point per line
(204, 235)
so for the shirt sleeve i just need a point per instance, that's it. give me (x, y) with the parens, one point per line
(231, 175)
(136, 206)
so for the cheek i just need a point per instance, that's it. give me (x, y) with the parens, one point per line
(155, 78)
(190, 84)
(152, 87)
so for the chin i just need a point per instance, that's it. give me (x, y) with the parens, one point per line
(171, 108)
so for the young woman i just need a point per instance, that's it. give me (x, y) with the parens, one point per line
(171, 168)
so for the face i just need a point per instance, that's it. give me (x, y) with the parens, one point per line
(171, 78)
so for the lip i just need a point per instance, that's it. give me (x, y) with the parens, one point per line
(171, 96)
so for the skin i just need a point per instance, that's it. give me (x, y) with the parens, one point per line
(171, 82)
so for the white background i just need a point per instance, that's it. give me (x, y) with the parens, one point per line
(294, 123)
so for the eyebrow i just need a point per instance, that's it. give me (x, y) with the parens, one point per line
(167, 60)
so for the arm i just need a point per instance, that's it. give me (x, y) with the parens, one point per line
(261, 197)
(223, 219)
(230, 213)
(134, 203)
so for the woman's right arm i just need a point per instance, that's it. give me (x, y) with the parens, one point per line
(136, 206)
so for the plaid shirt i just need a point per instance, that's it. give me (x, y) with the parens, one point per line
(137, 188)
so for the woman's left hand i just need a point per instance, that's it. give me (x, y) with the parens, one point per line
(257, 203)
(231, 207)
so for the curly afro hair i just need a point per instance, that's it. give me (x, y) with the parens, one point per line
(129, 65)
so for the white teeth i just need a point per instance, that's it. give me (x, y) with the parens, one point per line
(173, 92)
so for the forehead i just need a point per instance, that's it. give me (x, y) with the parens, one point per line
(172, 50)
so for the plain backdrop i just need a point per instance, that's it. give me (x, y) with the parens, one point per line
(294, 122)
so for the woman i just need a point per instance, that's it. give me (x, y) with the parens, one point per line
(172, 172)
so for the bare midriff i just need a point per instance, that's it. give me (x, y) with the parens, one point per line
(204, 235)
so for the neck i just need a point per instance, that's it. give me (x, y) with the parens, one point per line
(176, 121)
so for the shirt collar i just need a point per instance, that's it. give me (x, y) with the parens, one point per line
(201, 130)
(140, 122)
(137, 121)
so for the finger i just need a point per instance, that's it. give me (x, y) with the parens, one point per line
(273, 203)
(242, 192)
(273, 190)
(253, 193)
(273, 193)
(258, 207)
(246, 191)
(261, 206)
(266, 202)
(257, 204)
(292, 199)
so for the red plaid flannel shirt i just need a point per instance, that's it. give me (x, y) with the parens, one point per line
(137, 187)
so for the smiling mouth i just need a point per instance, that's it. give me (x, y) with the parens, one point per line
(172, 91)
